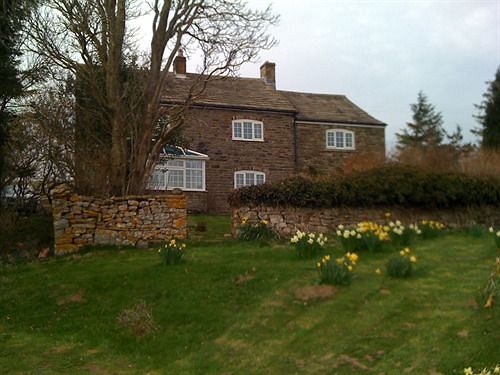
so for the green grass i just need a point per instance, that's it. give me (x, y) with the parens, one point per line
(60, 316)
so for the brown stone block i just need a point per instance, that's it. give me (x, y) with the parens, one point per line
(82, 241)
(180, 222)
(74, 198)
(64, 249)
(90, 213)
(64, 239)
(176, 201)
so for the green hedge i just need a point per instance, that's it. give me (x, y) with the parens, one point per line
(392, 185)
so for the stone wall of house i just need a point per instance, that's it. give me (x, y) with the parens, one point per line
(130, 220)
(287, 220)
(313, 156)
(209, 131)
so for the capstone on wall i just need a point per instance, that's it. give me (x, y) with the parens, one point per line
(285, 221)
(130, 220)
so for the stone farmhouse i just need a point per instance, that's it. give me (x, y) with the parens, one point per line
(243, 131)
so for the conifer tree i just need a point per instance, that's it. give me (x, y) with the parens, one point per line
(11, 15)
(489, 115)
(426, 129)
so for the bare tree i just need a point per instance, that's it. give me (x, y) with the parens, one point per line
(93, 40)
(41, 145)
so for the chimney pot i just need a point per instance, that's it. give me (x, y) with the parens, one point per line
(268, 73)
(180, 63)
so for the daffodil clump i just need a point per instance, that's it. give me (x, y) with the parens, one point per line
(490, 293)
(337, 271)
(401, 264)
(485, 371)
(260, 230)
(400, 234)
(430, 228)
(365, 235)
(172, 252)
(496, 236)
(308, 245)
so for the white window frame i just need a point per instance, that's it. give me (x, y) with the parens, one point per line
(242, 137)
(162, 167)
(244, 173)
(344, 132)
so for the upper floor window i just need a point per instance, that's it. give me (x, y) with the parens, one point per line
(248, 178)
(340, 139)
(248, 130)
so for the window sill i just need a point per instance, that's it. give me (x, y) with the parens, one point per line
(248, 140)
(171, 189)
(339, 149)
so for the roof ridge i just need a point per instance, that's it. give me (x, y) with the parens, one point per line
(312, 93)
(215, 77)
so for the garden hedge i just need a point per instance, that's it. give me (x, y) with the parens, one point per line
(391, 185)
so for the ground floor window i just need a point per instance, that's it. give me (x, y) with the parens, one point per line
(248, 178)
(184, 171)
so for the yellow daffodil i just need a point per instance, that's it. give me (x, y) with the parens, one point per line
(349, 268)
(489, 302)
(402, 253)
(378, 272)
(413, 259)
(407, 250)
(318, 264)
(468, 371)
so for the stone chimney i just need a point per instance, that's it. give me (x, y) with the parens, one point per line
(180, 63)
(268, 73)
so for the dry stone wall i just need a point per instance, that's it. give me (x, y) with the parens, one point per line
(130, 220)
(287, 220)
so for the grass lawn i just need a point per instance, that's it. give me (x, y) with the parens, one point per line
(231, 308)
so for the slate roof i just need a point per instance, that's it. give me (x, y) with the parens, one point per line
(254, 93)
(234, 92)
(328, 108)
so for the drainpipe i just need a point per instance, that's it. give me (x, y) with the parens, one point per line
(295, 157)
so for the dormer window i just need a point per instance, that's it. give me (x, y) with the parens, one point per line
(340, 139)
(248, 130)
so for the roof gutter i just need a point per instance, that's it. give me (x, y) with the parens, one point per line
(230, 107)
(348, 123)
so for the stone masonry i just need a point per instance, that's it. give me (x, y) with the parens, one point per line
(287, 220)
(130, 220)
(209, 131)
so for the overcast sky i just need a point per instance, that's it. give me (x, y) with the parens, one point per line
(381, 53)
